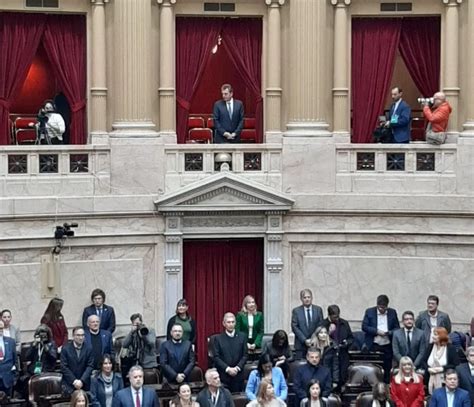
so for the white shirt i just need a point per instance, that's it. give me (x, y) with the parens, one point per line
(134, 395)
(250, 319)
(230, 104)
(231, 334)
(55, 125)
(450, 397)
(382, 325)
(434, 324)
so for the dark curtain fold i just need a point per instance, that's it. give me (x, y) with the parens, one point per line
(20, 35)
(420, 40)
(65, 45)
(217, 275)
(374, 46)
(194, 42)
(242, 40)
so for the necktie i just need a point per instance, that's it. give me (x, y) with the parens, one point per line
(213, 397)
(1, 352)
(137, 399)
(308, 317)
(409, 341)
(229, 109)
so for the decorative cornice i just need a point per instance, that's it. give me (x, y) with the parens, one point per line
(275, 3)
(341, 3)
(452, 2)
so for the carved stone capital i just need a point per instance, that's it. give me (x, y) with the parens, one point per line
(275, 3)
(452, 2)
(341, 3)
(99, 2)
(166, 2)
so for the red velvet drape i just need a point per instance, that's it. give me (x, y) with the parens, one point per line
(20, 35)
(194, 42)
(420, 40)
(65, 44)
(217, 275)
(374, 46)
(242, 40)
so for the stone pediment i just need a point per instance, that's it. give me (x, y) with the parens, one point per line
(224, 192)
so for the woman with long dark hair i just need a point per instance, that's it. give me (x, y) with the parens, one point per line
(55, 321)
(279, 351)
(183, 318)
(265, 370)
(184, 397)
(105, 383)
(313, 398)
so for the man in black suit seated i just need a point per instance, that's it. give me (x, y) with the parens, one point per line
(466, 373)
(177, 358)
(230, 349)
(409, 341)
(77, 363)
(214, 395)
(228, 117)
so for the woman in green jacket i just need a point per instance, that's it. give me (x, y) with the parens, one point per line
(250, 322)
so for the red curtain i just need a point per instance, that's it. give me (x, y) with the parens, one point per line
(374, 46)
(420, 40)
(217, 275)
(242, 39)
(65, 44)
(20, 35)
(194, 42)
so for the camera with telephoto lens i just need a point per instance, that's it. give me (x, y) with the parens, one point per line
(42, 117)
(426, 101)
(143, 330)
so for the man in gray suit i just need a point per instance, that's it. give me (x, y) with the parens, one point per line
(409, 341)
(304, 320)
(432, 318)
(466, 373)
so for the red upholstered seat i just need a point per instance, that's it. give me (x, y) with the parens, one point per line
(210, 122)
(24, 133)
(249, 123)
(195, 122)
(200, 135)
(248, 136)
(418, 126)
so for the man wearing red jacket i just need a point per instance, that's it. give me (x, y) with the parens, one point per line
(437, 117)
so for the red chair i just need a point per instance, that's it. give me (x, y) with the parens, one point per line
(248, 136)
(195, 122)
(418, 126)
(24, 132)
(200, 135)
(210, 122)
(249, 123)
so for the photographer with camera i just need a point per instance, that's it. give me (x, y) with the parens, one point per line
(436, 110)
(139, 346)
(51, 125)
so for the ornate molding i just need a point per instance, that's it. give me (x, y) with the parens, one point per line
(166, 2)
(217, 222)
(224, 190)
(341, 3)
(173, 239)
(275, 3)
(99, 2)
(274, 267)
(172, 268)
(452, 2)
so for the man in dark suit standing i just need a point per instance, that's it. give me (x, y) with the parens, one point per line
(105, 313)
(230, 350)
(450, 395)
(7, 362)
(432, 318)
(304, 320)
(379, 324)
(399, 117)
(77, 363)
(409, 341)
(136, 395)
(99, 340)
(177, 358)
(214, 395)
(228, 117)
(466, 373)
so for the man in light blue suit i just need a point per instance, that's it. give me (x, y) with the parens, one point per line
(450, 395)
(136, 395)
(399, 117)
(7, 362)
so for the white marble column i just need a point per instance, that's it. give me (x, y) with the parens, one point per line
(98, 111)
(132, 65)
(273, 90)
(167, 88)
(310, 52)
(340, 90)
(451, 60)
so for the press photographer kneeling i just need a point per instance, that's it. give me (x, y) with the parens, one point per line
(436, 110)
(51, 125)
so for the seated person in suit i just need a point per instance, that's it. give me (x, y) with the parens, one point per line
(77, 363)
(7, 362)
(466, 373)
(136, 395)
(184, 397)
(451, 395)
(250, 323)
(432, 318)
(99, 340)
(230, 349)
(214, 395)
(312, 370)
(228, 117)
(304, 320)
(98, 307)
(409, 341)
(279, 351)
(177, 358)
(379, 323)
(399, 117)
(266, 371)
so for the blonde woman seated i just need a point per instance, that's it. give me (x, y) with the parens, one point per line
(314, 396)
(322, 341)
(249, 321)
(266, 396)
(439, 357)
(184, 397)
(406, 387)
(79, 399)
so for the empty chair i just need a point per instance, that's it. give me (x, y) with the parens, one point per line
(333, 400)
(364, 399)
(24, 132)
(196, 375)
(364, 375)
(240, 399)
(151, 376)
(44, 384)
(200, 135)
(195, 122)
